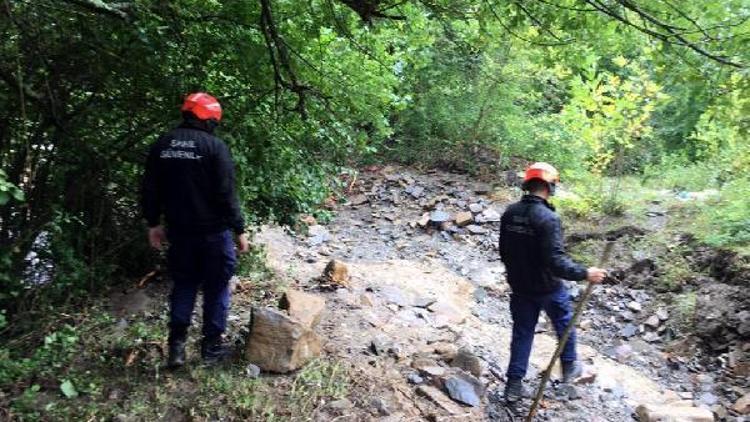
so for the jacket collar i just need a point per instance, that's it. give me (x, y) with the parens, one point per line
(533, 199)
(203, 125)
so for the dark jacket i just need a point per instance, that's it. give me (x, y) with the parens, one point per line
(190, 180)
(531, 247)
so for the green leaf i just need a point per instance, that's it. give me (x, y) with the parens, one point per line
(68, 389)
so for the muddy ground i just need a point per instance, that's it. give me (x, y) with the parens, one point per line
(428, 304)
(418, 294)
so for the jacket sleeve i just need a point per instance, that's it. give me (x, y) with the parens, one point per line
(553, 252)
(226, 193)
(151, 201)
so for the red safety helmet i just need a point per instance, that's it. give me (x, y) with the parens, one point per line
(541, 171)
(202, 106)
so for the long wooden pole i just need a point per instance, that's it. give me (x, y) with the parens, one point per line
(566, 334)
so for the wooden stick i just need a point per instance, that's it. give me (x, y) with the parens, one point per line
(566, 334)
(142, 282)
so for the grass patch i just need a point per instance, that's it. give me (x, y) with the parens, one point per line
(89, 365)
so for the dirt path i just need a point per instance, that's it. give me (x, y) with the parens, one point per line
(417, 296)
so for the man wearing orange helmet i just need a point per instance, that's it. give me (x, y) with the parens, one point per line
(189, 180)
(531, 247)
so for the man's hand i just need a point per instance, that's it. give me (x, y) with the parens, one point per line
(596, 275)
(157, 237)
(243, 245)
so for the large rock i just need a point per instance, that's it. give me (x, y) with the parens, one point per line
(437, 397)
(437, 217)
(337, 273)
(279, 343)
(742, 406)
(468, 361)
(464, 388)
(304, 307)
(463, 218)
(673, 412)
(358, 200)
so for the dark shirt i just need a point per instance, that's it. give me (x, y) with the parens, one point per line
(190, 180)
(531, 247)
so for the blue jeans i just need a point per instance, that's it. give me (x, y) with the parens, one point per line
(525, 312)
(204, 262)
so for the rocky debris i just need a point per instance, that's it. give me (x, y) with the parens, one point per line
(438, 217)
(279, 343)
(440, 399)
(428, 367)
(467, 361)
(447, 351)
(707, 398)
(629, 330)
(651, 337)
(381, 406)
(464, 388)
(569, 392)
(376, 233)
(340, 405)
(317, 235)
(722, 310)
(252, 371)
(424, 220)
(336, 273)
(463, 218)
(587, 377)
(414, 378)
(379, 347)
(304, 307)
(662, 314)
(635, 306)
(482, 189)
(424, 301)
(488, 216)
(653, 322)
(475, 229)
(446, 313)
(673, 412)
(742, 405)
(622, 353)
(357, 200)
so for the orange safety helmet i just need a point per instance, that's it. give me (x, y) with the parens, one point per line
(202, 106)
(541, 171)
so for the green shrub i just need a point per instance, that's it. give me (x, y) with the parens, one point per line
(725, 220)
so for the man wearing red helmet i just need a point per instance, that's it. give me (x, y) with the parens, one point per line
(531, 247)
(189, 180)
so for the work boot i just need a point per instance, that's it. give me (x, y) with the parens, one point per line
(176, 350)
(571, 371)
(213, 350)
(513, 389)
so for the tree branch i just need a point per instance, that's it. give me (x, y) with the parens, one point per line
(118, 10)
(671, 36)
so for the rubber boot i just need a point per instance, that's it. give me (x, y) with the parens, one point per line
(571, 371)
(513, 390)
(177, 342)
(213, 350)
